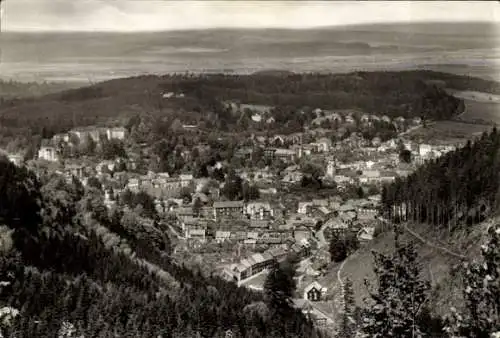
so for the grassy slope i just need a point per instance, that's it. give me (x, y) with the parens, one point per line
(436, 265)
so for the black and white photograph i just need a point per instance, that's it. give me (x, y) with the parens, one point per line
(248, 169)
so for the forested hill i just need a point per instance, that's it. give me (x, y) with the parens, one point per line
(406, 93)
(68, 266)
(461, 187)
(14, 89)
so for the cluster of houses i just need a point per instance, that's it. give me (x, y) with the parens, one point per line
(49, 150)
(351, 117)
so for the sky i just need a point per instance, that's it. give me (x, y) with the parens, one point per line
(158, 15)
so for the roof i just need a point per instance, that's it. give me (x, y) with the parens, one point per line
(346, 207)
(255, 223)
(315, 285)
(118, 129)
(367, 233)
(266, 256)
(228, 204)
(277, 252)
(258, 258)
(284, 151)
(245, 262)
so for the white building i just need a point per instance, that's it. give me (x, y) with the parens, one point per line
(424, 150)
(17, 159)
(116, 133)
(48, 153)
(330, 169)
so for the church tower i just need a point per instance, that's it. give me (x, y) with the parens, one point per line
(330, 168)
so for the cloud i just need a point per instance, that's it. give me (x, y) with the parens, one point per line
(144, 15)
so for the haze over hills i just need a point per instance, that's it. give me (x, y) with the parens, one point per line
(90, 56)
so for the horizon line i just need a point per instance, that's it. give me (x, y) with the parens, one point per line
(236, 28)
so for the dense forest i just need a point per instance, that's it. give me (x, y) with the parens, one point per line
(62, 268)
(13, 89)
(407, 93)
(459, 187)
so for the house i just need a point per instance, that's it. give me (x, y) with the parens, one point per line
(314, 292)
(105, 167)
(85, 132)
(366, 234)
(222, 236)
(369, 176)
(303, 207)
(349, 119)
(16, 159)
(185, 179)
(259, 210)
(399, 119)
(230, 209)
(365, 118)
(75, 170)
(424, 150)
(192, 228)
(302, 233)
(118, 133)
(57, 138)
(335, 225)
(286, 155)
(48, 153)
(256, 117)
(324, 144)
(259, 224)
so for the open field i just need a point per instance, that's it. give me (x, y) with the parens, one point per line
(479, 106)
(450, 132)
(481, 110)
(436, 265)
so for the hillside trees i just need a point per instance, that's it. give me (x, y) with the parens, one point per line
(79, 277)
(400, 295)
(20, 198)
(459, 187)
(341, 245)
(481, 315)
(280, 285)
(348, 324)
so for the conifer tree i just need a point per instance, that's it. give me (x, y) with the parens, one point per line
(280, 285)
(348, 325)
(481, 317)
(400, 295)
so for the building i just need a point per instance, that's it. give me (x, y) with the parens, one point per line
(222, 236)
(75, 170)
(186, 179)
(286, 155)
(16, 159)
(303, 207)
(314, 292)
(424, 150)
(259, 210)
(118, 133)
(330, 169)
(48, 153)
(83, 133)
(370, 176)
(195, 232)
(229, 209)
(250, 266)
